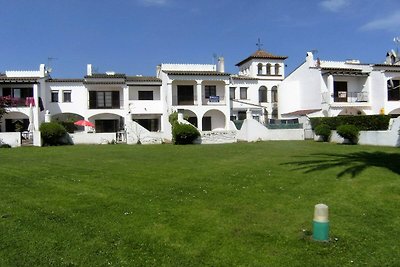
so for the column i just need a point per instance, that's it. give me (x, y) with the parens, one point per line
(330, 85)
(228, 106)
(36, 111)
(198, 92)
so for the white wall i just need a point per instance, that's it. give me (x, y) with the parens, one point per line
(92, 138)
(12, 139)
(252, 131)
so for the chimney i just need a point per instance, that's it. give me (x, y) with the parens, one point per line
(310, 59)
(89, 70)
(221, 65)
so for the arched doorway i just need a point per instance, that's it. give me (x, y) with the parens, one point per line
(67, 120)
(212, 120)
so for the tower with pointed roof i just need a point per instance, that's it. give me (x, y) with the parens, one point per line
(263, 65)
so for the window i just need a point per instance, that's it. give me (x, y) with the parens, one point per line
(104, 99)
(232, 92)
(393, 87)
(277, 69)
(153, 125)
(274, 94)
(340, 91)
(210, 90)
(243, 92)
(241, 115)
(268, 69)
(263, 94)
(67, 96)
(145, 95)
(260, 69)
(54, 96)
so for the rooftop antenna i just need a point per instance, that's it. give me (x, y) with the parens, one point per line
(396, 40)
(215, 59)
(49, 60)
(259, 44)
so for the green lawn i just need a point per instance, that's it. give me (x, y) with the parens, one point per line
(245, 204)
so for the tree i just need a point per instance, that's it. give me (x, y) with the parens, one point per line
(5, 103)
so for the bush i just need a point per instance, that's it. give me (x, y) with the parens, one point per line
(184, 134)
(363, 122)
(349, 132)
(324, 131)
(5, 146)
(52, 133)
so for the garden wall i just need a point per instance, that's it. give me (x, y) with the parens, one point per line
(252, 131)
(390, 137)
(11, 138)
(92, 138)
(218, 137)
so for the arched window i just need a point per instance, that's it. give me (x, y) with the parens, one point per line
(268, 69)
(277, 69)
(260, 69)
(274, 94)
(263, 94)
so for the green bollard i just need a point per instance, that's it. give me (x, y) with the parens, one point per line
(321, 223)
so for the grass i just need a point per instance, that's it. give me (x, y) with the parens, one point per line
(245, 204)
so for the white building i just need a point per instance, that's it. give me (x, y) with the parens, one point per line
(331, 88)
(137, 108)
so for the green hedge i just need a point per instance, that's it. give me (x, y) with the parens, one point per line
(363, 122)
(349, 132)
(324, 131)
(52, 133)
(184, 134)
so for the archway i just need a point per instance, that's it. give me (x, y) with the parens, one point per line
(351, 112)
(394, 113)
(14, 122)
(67, 120)
(213, 120)
(107, 122)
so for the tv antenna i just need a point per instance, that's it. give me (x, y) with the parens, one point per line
(49, 60)
(259, 44)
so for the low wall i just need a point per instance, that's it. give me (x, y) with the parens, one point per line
(92, 138)
(252, 131)
(218, 137)
(11, 138)
(391, 137)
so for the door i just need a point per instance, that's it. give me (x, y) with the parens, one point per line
(185, 95)
(340, 91)
(207, 124)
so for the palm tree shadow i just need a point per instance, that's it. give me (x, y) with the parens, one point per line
(353, 164)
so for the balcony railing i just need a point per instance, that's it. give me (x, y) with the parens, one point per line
(101, 105)
(350, 97)
(18, 101)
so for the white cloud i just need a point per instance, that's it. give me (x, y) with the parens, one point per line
(153, 2)
(389, 23)
(334, 5)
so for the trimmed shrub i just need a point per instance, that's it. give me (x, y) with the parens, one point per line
(363, 122)
(5, 146)
(349, 132)
(184, 134)
(52, 133)
(324, 131)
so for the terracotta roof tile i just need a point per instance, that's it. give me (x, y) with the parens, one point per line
(261, 54)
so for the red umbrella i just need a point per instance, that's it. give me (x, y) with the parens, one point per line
(84, 123)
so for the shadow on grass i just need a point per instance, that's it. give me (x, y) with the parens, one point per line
(353, 164)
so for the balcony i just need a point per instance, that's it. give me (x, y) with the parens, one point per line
(146, 106)
(214, 100)
(343, 98)
(19, 101)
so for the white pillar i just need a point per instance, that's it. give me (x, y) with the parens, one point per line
(198, 92)
(330, 85)
(228, 106)
(36, 108)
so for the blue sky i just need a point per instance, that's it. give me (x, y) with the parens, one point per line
(133, 36)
